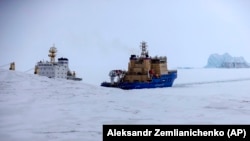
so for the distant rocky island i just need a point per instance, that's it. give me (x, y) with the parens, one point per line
(226, 61)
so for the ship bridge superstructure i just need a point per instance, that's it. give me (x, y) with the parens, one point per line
(53, 68)
(144, 67)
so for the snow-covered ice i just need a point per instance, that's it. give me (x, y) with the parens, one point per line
(38, 108)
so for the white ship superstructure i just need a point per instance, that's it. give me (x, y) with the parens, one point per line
(53, 69)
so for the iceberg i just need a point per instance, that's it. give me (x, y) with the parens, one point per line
(226, 61)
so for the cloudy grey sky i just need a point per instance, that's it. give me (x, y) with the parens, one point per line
(99, 35)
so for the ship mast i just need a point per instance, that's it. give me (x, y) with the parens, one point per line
(144, 52)
(52, 54)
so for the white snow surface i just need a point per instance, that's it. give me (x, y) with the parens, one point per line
(38, 108)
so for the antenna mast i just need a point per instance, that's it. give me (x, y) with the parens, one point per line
(52, 53)
(144, 52)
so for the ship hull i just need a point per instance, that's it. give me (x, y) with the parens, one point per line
(165, 80)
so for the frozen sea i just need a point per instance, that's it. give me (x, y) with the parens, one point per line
(38, 108)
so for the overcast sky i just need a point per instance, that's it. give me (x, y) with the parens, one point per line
(99, 35)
